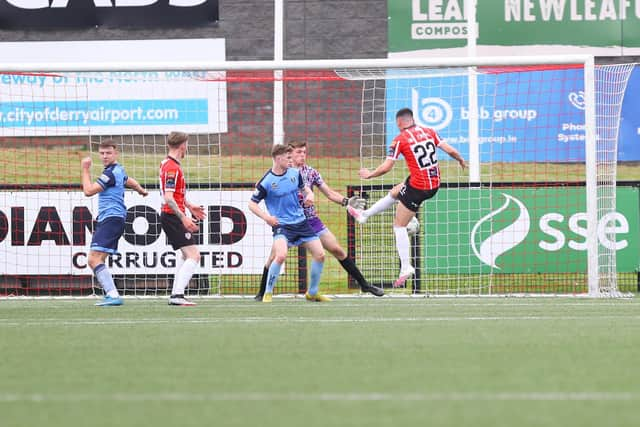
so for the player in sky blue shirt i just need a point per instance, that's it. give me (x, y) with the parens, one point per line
(279, 188)
(312, 178)
(280, 194)
(111, 198)
(111, 214)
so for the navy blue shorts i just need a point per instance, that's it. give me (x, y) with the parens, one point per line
(106, 235)
(295, 234)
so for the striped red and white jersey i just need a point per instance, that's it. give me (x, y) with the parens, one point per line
(417, 145)
(172, 179)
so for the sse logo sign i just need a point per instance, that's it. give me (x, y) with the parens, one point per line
(528, 230)
(47, 14)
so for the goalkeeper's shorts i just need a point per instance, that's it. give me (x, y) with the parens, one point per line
(317, 225)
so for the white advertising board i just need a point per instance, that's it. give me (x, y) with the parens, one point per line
(48, 233)
(110, 103)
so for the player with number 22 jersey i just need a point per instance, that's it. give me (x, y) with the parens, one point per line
(418, 146)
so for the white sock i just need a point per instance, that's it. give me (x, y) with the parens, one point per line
(113, 294)
(179, 261)
(183, 276)
(381, 205)
(403, 246)
(179, 264)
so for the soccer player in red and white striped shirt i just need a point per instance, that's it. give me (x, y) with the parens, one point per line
(417, 145)
(179, 227)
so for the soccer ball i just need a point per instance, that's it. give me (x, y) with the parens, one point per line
(413, 227)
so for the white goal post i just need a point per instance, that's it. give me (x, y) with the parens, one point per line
(530, 217)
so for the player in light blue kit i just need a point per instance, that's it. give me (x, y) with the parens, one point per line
(311, 178)
(111, 214)
(279, 188)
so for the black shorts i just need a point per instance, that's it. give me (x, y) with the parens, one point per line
(412, 198)
(177, 236)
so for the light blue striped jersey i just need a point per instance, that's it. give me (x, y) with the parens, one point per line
(280, 194)
(111, 199)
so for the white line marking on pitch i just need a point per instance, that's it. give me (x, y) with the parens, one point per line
(208, 320)
(328, 397)
(356, 302)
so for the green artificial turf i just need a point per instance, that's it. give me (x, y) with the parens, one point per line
(390, 361)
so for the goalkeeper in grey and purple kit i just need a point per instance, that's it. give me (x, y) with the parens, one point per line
(329, 241)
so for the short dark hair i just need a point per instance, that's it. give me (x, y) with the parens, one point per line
(176, 138)
(279, 149)
(297, 144)
(108, 143)
(404, 112)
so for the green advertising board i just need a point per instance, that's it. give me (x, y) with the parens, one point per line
(410, 28)
(524, 230)
(546, 26)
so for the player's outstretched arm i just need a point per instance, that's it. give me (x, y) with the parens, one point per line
(88, 188)
(453, 153)
(334, 196)
(135, 185)
(331, 194)
(384, 167)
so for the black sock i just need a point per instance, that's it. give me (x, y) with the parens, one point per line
(350, 267)
(263, 281)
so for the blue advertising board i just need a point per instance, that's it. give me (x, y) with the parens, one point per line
(525, 115)
(629, 137)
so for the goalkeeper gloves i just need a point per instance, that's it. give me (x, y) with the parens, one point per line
(354, 201)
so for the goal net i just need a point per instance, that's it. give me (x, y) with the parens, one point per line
(535, 213)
